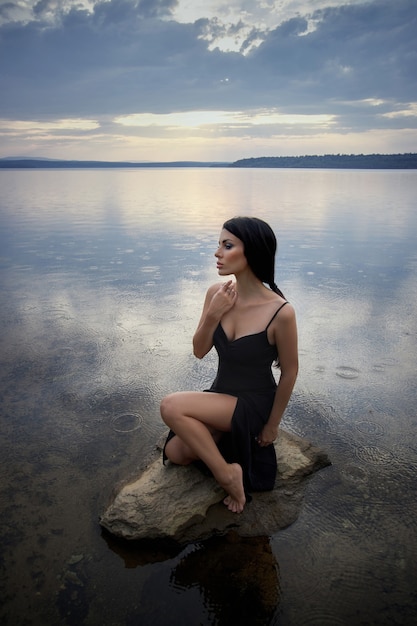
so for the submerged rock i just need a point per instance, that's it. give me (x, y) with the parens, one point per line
(183, 504)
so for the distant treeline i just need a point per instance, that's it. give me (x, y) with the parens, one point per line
(348, 161)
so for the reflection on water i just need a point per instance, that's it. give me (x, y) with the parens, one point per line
(235, 578)
(103, 275)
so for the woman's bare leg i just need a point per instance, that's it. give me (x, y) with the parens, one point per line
(180, 454)
(193, 416)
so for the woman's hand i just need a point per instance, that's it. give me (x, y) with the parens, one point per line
(267, 435)
(218, 301)
(223, 300)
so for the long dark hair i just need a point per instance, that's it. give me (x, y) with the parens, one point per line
(259, 246)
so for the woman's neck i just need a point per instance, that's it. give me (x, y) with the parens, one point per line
(249, 287)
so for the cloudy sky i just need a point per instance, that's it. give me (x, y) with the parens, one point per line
(207, 79)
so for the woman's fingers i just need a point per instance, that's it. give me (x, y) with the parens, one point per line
(229, 289)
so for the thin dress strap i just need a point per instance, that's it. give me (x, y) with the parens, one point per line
(275, 314)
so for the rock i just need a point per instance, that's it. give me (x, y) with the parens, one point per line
(181, 503)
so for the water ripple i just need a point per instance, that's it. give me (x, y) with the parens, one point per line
(374, 455)
(369, 427)
(349, 373)
(321, 617)
(126, 422)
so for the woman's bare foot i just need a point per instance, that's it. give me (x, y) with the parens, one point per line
(236, 499)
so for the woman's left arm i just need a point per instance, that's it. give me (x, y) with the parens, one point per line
(285, 335)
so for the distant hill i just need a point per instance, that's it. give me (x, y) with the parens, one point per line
(41, 163)
(343, 161)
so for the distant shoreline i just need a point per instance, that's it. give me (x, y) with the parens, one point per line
(24, 163)
(335, 161)
(327, 161)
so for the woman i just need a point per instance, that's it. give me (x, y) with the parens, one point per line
(232, 428)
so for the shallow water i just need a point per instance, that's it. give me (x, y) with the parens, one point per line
(103, 274)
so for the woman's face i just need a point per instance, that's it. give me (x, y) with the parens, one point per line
(230, 254)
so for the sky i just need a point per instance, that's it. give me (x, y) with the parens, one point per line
(207, 80)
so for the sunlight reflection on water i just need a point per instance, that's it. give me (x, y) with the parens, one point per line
(103, 279)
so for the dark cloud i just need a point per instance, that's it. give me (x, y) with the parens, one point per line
(124, 10)
(124, 58)
(355, 52)
(7, 9)
(42, 7)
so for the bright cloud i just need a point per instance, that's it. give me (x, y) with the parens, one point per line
(241, 25)
(40, 127)
(408, 111)
(224, 118)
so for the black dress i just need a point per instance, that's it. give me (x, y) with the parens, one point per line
(244, 371)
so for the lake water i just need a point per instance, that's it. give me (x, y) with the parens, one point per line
(103, 275)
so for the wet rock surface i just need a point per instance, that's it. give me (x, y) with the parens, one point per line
(182, 504)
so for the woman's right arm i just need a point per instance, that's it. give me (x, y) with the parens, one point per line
(217, 302)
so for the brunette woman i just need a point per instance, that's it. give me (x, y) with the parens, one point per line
(232, 428)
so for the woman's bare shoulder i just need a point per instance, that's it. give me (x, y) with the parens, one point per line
(210, 292)
(288, 309)
(213, 288)
(285, 313)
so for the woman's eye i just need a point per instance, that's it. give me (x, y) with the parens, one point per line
(228, 246)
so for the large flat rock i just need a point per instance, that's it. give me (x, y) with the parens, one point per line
(181, 503)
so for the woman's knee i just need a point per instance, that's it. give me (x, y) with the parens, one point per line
(168, 408)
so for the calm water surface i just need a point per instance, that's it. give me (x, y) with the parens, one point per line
(103, 275)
